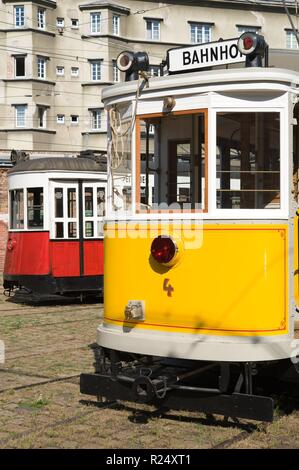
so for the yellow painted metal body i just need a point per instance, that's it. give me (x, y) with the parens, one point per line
(230, 279)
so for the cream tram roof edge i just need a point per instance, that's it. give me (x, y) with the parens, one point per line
(215, 77)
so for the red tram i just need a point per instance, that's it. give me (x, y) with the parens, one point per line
(55, 240)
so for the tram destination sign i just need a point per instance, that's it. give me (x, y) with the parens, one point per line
(184, 59)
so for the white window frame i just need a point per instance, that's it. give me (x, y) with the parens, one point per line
(76, 25)
(94, 218)
(74, 74)
(268, 213)
(96, 119)
(200, 33)
(41, 18)
(291, 41)
(65, 185)
(62, 121)
(116, 25)
(18, 108)
(60, 22)
(19, 16)
(152, 68)
(153, 29)
(41, 67)
(96, 70)
(44, 120)
(251, 29)
(115, 72)
(60, 71)
(15, 66)
(95, 22)
(74, 123)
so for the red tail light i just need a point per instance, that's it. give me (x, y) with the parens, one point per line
(248, 42)
(163, 249)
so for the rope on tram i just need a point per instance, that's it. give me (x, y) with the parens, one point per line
(121, 136)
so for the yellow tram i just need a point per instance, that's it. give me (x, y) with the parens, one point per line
(201, 250)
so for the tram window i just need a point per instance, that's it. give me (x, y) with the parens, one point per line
(100, 228)
(101, 202)
(59, 202)
(89, 229)
(17, 209)
(71, 202)
(178, 179)
(72, 229)
(59, 230)
(248, 160)
(88, 194)
(35, 210)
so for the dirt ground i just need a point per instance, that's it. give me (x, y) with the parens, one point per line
(41, 406)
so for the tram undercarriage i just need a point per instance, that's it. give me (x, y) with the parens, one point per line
(229, 389)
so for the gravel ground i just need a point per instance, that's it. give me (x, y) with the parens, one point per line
(41, 406)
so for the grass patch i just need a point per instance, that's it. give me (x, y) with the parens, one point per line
(34, 405)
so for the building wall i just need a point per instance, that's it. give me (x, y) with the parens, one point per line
(70, 47)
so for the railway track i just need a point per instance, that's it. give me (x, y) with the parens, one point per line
(60, 323)
(42, 382)
(31, 310)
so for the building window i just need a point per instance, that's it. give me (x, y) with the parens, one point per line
(200, 33)
(20, 66)
(60, 118)
(19, 15)
(41, 111)
(115, 25)
(155, 71)
(96, 70)
(153, 30)
(41, 67)
(20, 111)
(75, 71)
(41, 18)
(96, 119)
(74, 119)
(116, 74)
(250, 29)
(95, 23)
(74, 23)
(291, 41)
(60, 22)
(60, 71)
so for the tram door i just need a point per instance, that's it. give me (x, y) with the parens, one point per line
(76, 229)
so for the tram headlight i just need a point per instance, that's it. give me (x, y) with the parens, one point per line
(125, 60)
(131, 63)
(163, 249)
(253, 46)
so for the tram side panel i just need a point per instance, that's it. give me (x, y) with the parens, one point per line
(233, 282)
(93, 257)
(65, 258)
(27, 253)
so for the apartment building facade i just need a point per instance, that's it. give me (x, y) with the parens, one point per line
(56, 56)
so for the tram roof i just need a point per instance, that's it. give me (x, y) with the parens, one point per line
(243, 77)
(58, 164)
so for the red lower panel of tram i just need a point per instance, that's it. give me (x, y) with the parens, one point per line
(33, 253)
(27, 253)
